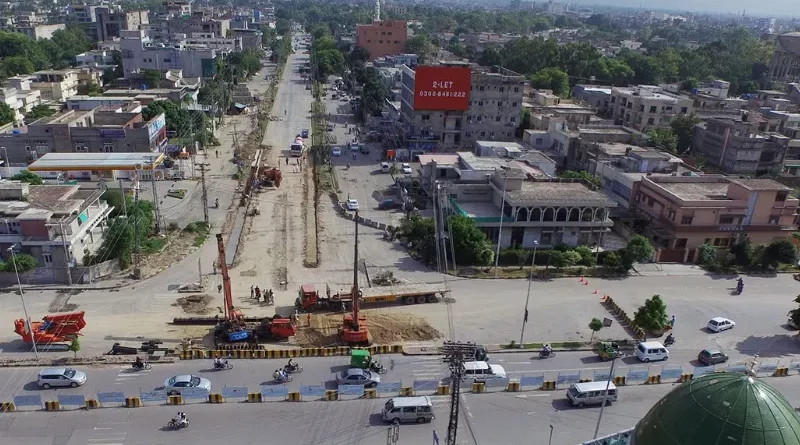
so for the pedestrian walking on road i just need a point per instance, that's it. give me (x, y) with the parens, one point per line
(219, 288)
(217, 153)
(308, 317)
(672, 322)
(287, 160)
(214, 267)
(252, 291)
(258, 293)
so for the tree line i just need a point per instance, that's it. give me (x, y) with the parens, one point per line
(19, 54)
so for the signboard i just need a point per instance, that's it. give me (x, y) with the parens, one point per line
(28, 401)
(71, 400)
(111, 397)
(637, 375)
(564, 377)
(312, 391)
(425, 385)
(497, 383)
(601, 375)
(671, 373)
(155, 125)
(194, 393)
(702, 370)
(443, 88)
(153, 396)
(113, 133)
(230, 392)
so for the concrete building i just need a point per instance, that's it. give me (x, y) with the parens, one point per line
(23, 92)
(594, 96)
(494, 112)
(21, 101)
(646, 107)
(140, 53)
(110, 23)
(382, 37)
(546, 107)
(54, 85)
(100, 59)
(785, 63)
(87, 103)
(683, 212)
(101, 130)
(37, 32)
(83, 13)
(178, 8)
(56, 224)
(737, 146)
(550, 212)
(251, 38)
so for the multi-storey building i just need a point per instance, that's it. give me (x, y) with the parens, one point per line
(83, 13)
(785, 64)
(251, 38)
(178, 8)
(37, 32)
(110, 23)
(684, 212)
(55, 85)
(140, 53)
(495, 105)
(646, 107)
(97, 58)
(383, 37)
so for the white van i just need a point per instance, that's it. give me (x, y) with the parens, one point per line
(408, 409)
(385, 167)
(480, 372)
(591, 393)
(651, 351)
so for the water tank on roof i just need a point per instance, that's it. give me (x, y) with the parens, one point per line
(694, 90)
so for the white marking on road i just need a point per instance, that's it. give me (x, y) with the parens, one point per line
(99, 428)
(518, 363)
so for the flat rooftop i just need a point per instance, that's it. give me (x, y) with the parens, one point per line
(96, 161)
(440, 159)
(697, 191)
(760, 184)
(558, 193)
(479, 209)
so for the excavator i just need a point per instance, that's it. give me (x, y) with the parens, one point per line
(354, 326)
(54, 328)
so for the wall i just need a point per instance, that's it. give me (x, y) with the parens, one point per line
(382, 38)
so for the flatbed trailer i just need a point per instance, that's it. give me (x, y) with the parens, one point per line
(309, 298)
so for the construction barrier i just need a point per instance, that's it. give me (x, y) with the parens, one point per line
(92, 404)
(215, 398)
(513, 386)
(620, 380)
(686, 377)
(654, 379)
(406, 391)
(781, 372)
(478, 387)
(370, 393)
(331, 394)
(443, 390)
(546, 386)
(254, 397)
(175, 400)
(133, 402)
(293, 397)
(52, 405)
(7, 407)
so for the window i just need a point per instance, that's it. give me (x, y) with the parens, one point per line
(483, 133)
(653, 109)
(683, 110)
(726, 220)
(513, 118)
(502, 89)
(680, 243)
(781, 196)
(671, 215)
(426, 117)
(481, 88)
(108, 148)
(480, 103)
(480, 118)
(687, 220)
(650, 121)
(774, 219)
(491, 134)
(516, 89)
(497, 119)
(513, 104)
(48, 258)
(167, 60)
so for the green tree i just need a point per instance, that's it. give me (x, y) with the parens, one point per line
(75, 346)
(583, 175)
(373, 94)
(469, 242)
(707, 255)
(663, 139)
(588, 258)
(152, 78)
(490, 57)
(23, 262)
(652, 316)
(551, 79)
(420, 233)
(613, 261)
(114, 198)
(778, 252)
(743, 253)
(595, 325)
(14, 65)
(7, 114)
(422, 46)
(93, 89)
(40, 111)
(29, 177)
(560, 260)
(639, 249)
(683, 127)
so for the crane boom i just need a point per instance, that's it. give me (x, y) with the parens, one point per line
(229, 311)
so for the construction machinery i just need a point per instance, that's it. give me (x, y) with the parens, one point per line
(354, 326)
(233, 326)
(55, 328)
(309, 299)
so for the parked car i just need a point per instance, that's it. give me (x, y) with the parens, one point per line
(711, 357)
(60, 377)
(173, 385)
(358, 376)
(336, 151)
(719, 324)
(406, 168)
(352, 205)
(388, 204)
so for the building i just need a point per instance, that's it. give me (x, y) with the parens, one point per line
(785, 63)
(382, 37)
(56, 224)
(37, 32)
(178, 8)
(54, 85)
(493, 113)
(97, 58)
(101, 130)
(83, 13)
(542, 211)
(681, 213)
(22, 92)
(596, 97)
(646, 107)
(140, 53)
(250, 38)
(546, 107)
(737, 146)
(110, 23)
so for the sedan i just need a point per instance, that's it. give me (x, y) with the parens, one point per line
(710, 357)
(406, 168)
(357, 376)
(352, 205)
(719, 324)
(337, 151)
(175, 384)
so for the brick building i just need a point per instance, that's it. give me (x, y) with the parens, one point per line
(383, 37)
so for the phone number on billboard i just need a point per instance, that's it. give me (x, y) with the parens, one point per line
(456, 94)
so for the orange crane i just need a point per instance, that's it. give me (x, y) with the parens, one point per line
(354, 326)
(52, 329)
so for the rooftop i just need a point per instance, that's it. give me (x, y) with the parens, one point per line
(557, 193)
(439, 159)
(95, 161)
(697, 191)
(760, 184)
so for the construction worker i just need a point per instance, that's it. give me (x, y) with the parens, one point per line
(252, 292)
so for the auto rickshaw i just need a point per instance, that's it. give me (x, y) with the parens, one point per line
(361, 358)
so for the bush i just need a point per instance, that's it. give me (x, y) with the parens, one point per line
(652, 316)
(587, 256)
(779, 252)
(612, 260)
(743, 253)
(23, 261)
(707, 255)
(595, 325)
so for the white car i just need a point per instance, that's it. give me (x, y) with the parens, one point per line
(719, 324)
(352, 205)
(337, 151)
(406, 168)
(175, 384)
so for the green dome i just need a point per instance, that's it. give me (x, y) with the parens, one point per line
(720, 409)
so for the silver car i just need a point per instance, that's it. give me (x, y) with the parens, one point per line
(357, 376)
(55, 377)
(175, 384)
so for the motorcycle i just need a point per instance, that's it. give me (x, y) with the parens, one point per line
(543, 354)
(296, 369)
(223, 365)
(144, 365)
(378, 367)
(280, 379)
(669, 341)
(177, 423)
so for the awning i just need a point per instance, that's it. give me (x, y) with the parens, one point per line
(240, 106)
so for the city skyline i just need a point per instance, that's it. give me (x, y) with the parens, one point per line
(776, 8)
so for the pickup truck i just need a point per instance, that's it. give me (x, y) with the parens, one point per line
(304, 133)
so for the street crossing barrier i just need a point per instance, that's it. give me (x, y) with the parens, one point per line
(768, 368)
(534, 381)
(72, 400)
(254, 397)
(568, 378)
(293, 396)
(175, 400)
(654, 379)
(686, 377)
(153, 396)
(702, 370)
(478, 387)
(637, 375)
(194, 394)
(547, 386)
(370, 393)
(389, 388)
(279, 391)
(215, 398)
(601, 375)
(28, 401)
(7, 407)
(619, 380)
(406, 391)
(246, 351)
(133, 402)
(443, 390)
(92, 404)
(51, 405)
(312, 392)
(736, 368)
(351, 390)
(425, 385)
(331, 394)
(513, 386)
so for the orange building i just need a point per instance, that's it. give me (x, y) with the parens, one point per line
(383, 37)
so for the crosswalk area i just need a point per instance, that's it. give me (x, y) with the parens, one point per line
(127, 375)
(103, 434)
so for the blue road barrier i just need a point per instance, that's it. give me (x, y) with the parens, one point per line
(426, 385)
(531, 381)
(193, 393)
(232, 392)
(702, 370)
(736, 368)
(389, 387)
(312, 391)
(767, 367)
(274, 391)
(28, 401)
(671, 373)
(794, 366)
(637, 375)
(71, 400)
(351, 390)
(497, 383)
(153, 396)
(111, 397)
(565, 378)
(601, 375)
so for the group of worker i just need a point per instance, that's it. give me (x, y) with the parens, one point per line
(255, 292)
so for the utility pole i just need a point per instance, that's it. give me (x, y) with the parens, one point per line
(202, 167)
(137, 272)
(124, 204)
(235, 141)
(500, 231)
(455, 354)
(67, 254)
(392, 434)
(155, 193)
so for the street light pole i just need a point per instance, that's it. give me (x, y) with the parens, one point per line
(24, 307)
(605, 397)
(500, 232)
(528, 296)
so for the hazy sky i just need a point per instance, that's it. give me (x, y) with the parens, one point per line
(776, 8)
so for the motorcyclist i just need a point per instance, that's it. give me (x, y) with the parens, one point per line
(740, 284)
(180, 419)
(546, 350)
(669, 339)
(292, 365)
(138, 363)
(217, 362)
(216, 202)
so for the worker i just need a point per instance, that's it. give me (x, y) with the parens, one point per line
(258, 293)
(252, 291)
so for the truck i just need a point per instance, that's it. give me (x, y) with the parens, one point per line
(310, 300)
(297, 146)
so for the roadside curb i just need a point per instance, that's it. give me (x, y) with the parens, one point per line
(101, 360)
(329, 351)
(497, 349)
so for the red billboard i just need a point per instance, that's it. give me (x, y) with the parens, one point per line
(444, 88)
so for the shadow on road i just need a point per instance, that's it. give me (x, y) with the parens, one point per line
(771, 346)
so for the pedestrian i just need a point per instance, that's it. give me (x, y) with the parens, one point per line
(214, 267)
(287, 160)
(252, 291)
(217, 152)
(258, 293)
(308, 317)
(526, 316)
(672, 322)
(219, 288)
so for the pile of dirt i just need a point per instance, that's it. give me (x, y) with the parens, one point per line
(384, 327)
(194, 304)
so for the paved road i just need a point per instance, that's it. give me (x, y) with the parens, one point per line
(486, 419)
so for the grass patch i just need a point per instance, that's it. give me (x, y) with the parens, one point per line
(153, 245)
(200, 230)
